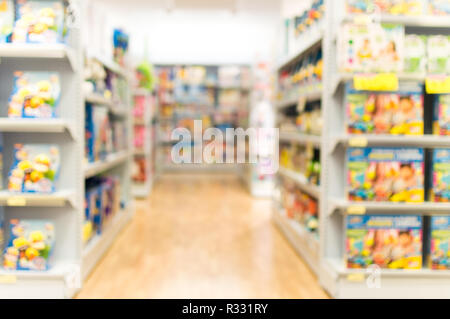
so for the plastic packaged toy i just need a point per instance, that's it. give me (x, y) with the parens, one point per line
(39, 21)
(360, 6)
(393, 242)
(35, 168)
(415, 53)
(30, 244)
(371, 47)
(397, 113)
(439, 7)
(438, 54)
(392, 7)
(6, 20)
(440, 243)
(35, 95)
(440, 183)
(441, 118)
(386, 174)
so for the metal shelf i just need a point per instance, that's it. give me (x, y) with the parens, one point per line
(426, 208)
(314, 95)
(53, 283)
(392, 284)
(304, 242)
(39, 51)
(36, 125)
(366, 140)
(56, 199)
(111, 161)
(301, 181)
(300, 138)
(98, 99)
(99, 245)
(314, 40)
(346, 77)
(407, 21)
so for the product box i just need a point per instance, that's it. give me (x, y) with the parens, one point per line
(35, 168)
(393, 242)
(6, 20)
(415, 53)
(371, 47)
(440, 242)
(34, 95)
(39, 21)
(440, 183)
(397, 113)
(99, 133)
(441, 118)
(30, 244)
(439, 7)
(385, 174)
(438, 54)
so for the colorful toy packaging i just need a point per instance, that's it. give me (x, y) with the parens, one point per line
(393, 7)
(102, 202)
(441, 118)
(30, 245)
(99, 136)
(440, 243)
(6, 20)
(397, 113)
(415, 53)
(39, 21)
(440, 184)
(393, 242)
(439, 7)
(386, 174)
(35, 168)
(35, 95)
(371, 47)
(438, 54)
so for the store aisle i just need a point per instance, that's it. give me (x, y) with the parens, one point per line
(199, 236)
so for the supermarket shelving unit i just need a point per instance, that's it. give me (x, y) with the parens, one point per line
(143, 189)
(70, 262)
(329, 263)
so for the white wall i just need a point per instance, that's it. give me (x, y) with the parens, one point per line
(201, 35)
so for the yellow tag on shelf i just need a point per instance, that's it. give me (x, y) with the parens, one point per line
(356, 277)
(16, 201)
(8, 279)
(437, 84)
(362, 19)
(356, 210)
(358, 142)
(376, 82)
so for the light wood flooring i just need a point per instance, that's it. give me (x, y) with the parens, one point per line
(201, 236)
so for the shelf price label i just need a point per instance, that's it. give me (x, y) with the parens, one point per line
(376, 82)
(356, 277)
(358, 142)
(8, 279)
(356, 210)
(17, 201)
(437, 84)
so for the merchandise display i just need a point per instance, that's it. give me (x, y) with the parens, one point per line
(441, 119)
(386, 174)
(300, 206)
(393, 242)
(302, 159)
(40, 21)
(34, 95)
(440, 185)
(371, 47)
(6, 20)
(397, 113)
(440, 243)
(29, 245)
(393, 7)
(35, 169)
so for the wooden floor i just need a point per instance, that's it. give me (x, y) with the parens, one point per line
(201, 237)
